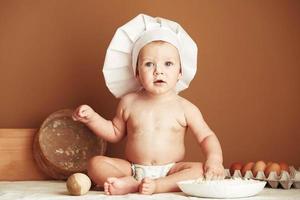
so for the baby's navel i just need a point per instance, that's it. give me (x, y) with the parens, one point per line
(153, 162)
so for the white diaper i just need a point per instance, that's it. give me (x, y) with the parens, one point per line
(151, 171)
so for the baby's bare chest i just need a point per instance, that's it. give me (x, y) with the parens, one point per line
(155, 118)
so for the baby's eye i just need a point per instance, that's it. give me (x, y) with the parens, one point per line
(149, 64)
(169, 63)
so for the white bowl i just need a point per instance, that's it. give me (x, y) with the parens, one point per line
(227, 188)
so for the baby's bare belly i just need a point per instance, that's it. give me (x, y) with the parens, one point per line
(154, 152)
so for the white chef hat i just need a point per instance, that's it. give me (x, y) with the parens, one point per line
(121, 56)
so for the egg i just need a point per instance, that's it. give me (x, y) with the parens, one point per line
(235, 166)
(284, 166)
(273, 167)
(269, 163)
(258, 166)
(247, 167)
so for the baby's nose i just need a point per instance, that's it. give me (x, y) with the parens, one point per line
(158, 70)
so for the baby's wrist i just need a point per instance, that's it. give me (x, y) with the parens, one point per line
(215, 160)
(92, 118)
(215, 157)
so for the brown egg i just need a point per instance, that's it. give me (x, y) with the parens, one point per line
(284, 166)
(269, 163)
(273, 167)
(247, 167)
(235, 166)
(259, 166)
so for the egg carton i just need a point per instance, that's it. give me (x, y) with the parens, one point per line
(285, 180)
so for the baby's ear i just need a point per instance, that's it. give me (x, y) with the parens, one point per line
(137, 71)
(137, 76)
(179, 76)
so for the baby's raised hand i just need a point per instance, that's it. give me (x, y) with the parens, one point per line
(213, 170)
(83, 113)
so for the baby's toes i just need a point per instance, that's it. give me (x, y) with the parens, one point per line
(141, 186)
(144, 190)
(106, 188)
(147, 186)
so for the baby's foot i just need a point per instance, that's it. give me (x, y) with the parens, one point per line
(119, 186)
(147, 186)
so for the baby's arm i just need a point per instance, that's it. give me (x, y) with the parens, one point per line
(110, 130)
(213, 167)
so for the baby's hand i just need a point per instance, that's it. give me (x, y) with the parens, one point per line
(213, 170)
(83, 113)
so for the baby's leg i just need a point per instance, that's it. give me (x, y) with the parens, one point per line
(179, 172)
(113, 174)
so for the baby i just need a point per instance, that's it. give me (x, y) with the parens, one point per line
(155, 120)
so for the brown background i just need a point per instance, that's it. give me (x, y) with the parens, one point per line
(247, 84)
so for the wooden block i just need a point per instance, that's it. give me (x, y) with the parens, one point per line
(16, 157)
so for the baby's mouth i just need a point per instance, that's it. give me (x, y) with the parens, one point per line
(159, 81)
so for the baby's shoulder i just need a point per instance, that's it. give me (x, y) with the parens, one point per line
(185, 103)
(128, 99)
(187, 106)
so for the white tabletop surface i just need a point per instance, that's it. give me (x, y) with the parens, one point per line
(52, 190)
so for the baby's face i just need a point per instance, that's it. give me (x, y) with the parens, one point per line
(158, 67)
